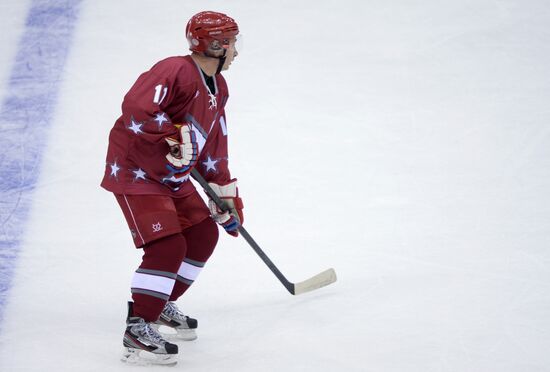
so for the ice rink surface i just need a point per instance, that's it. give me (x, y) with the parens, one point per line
(404, 143)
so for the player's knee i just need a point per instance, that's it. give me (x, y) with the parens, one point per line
(168, 249)
(211, 231)
(207, 233)
(201, 239)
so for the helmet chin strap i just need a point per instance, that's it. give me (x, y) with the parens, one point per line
(221, 60)
(220, 64)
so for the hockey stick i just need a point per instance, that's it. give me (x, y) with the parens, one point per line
(320, 280)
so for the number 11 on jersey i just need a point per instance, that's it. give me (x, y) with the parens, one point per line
(158, 90)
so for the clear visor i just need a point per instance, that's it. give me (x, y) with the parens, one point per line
(239, 43)
(217, 46)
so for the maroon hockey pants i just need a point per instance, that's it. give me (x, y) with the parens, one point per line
(169, 267)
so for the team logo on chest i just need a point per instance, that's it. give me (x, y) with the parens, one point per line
(212, 101)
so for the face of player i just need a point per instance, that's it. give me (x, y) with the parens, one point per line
(230, 54)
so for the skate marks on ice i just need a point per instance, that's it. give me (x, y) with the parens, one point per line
(26, 115)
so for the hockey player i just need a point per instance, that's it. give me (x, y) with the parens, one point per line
(173, 120)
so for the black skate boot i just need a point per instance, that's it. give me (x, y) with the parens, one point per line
(144, 345)
(173, 318)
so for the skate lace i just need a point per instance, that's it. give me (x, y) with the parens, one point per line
(173, 312)
(150, 333)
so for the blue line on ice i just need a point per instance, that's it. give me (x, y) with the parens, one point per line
(25, 117)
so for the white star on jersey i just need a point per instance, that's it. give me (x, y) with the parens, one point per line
(114, 169)
(139, 174)
(160, 119)
(136, 127)
(210, 164)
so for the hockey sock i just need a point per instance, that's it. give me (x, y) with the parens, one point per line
(154, 280)
(201, 241)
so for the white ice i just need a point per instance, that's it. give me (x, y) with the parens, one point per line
(404, 143)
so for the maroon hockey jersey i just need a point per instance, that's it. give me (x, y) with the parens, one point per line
(172, 93)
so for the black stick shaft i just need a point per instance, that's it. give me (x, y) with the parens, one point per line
(223, 206)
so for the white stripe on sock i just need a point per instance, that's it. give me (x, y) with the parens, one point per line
(189, 271)
(153, 283)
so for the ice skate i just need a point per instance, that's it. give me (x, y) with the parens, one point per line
(143, 345)
(173, 324)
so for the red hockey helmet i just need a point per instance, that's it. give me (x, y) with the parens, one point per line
(206, 27)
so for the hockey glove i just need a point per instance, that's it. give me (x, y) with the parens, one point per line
(183, 151)
(232, 219)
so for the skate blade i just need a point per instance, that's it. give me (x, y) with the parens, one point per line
(186, 334)
(173, 334)
(145, 358)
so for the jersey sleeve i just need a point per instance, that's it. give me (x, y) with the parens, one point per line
(143, 108)
(213, 162)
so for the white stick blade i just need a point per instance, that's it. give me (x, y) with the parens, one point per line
(320, 280)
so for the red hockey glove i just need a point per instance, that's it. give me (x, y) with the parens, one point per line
(231, 220)
(183, 151)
